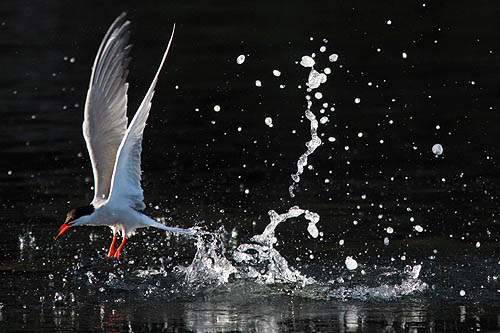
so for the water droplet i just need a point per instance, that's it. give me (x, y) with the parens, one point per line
(258, 83)
(437, 149)
(333, 57)
(58, 297)
(240, 59)
(313, 230)
(315, 79)
(269, 121)
(216, 108)
(307, 61)
(350, 263)
(357, 100)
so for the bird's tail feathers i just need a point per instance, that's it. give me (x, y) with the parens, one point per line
(182, 231)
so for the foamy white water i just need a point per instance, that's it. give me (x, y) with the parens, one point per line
(257, 260)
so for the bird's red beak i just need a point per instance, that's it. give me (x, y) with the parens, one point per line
(62, 229)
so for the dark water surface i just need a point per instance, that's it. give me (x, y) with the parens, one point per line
(422, 228)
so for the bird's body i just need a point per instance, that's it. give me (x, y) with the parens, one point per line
(114, 148)
(123, 220)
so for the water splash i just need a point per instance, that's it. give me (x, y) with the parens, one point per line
(410, 284)
(257, 261)
(210, 263)
(268, 238)
(314, 80)
(261, 262)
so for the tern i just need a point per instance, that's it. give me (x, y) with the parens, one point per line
(114, 148)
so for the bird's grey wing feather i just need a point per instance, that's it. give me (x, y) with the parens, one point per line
(105, 117)
(126, 181)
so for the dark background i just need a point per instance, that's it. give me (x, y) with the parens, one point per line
(197, 164)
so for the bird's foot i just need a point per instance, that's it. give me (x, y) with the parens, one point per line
(111, 251)
(119, 249)
(112, 247)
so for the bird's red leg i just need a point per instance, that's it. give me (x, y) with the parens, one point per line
(112, 247)
(119, 249)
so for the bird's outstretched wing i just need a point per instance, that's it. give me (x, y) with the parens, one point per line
(105, 120)
(126, 182)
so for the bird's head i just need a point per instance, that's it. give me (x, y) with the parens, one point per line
(74, 217)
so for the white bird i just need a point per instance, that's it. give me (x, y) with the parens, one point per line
(114, 148)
